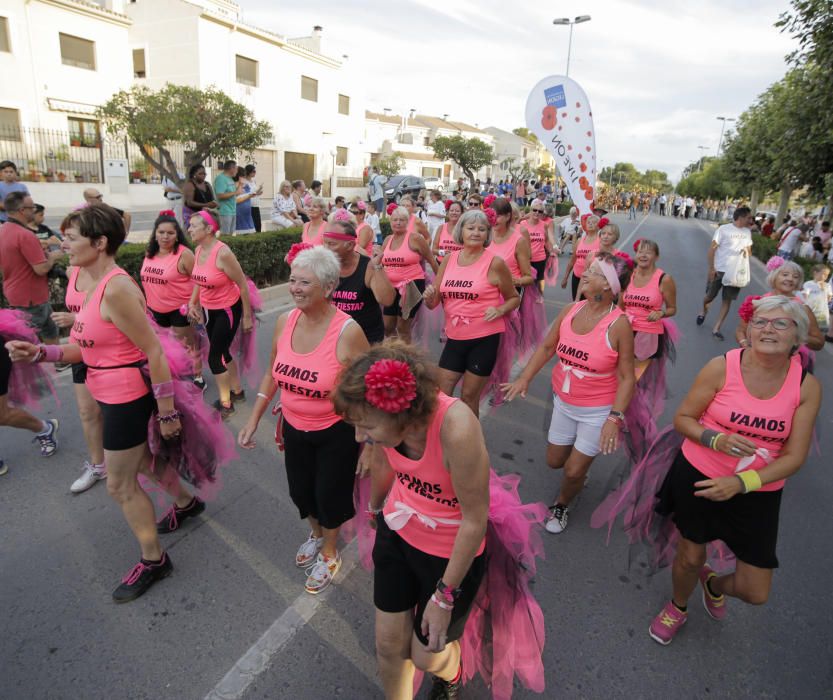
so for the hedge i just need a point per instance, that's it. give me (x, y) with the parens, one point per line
(764, 248)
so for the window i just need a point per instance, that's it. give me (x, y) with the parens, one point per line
(341, 155)
(343, 104)
(406, 138)
(426, 141)
(77, 52)
(430, 172)
(5, 44)
(309, 89)
(139, 63)
(9, 124)
(246, 71)
(83, 132)
(524, 153)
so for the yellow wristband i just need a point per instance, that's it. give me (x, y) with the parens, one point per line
(751, 480)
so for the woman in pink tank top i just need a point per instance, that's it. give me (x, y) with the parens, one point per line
(415, 224)
(609, 235)
(220, 299)
(581, 248)
(592, 380)
(535, 229)
(365, 238)
(747, 425)
(166, 279)
(475, 289)
(431, 494)
(317, 211)
(511, 245)
(404, 254)
(113, 336)
(312, 343)
(443, 240)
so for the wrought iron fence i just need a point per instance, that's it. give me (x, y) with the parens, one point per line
(51, 155)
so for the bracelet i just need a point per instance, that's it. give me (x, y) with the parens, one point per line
(263, 396)
(168, 417)
(713, 442)
(163, 390)
(750, 479)
(441, 604)
(448, 594)
(616, 421)
(707, 436)
(374, 511)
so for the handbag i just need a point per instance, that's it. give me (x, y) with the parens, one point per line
(737, 273)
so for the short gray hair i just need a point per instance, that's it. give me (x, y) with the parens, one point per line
(476, 215)
(322, 262)
(319, 202)
(795, 268)
(792, 308)
(400, 211)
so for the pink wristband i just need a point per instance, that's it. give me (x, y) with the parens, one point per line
(163, 390)
(51, 353)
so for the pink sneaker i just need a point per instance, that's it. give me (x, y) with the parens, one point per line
(715, 606)
(666, 625)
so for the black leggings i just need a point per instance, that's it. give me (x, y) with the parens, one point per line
(221, 325)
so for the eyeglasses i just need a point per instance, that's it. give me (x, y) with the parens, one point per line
(779, 324)
(355, 212)
(474, 204)
(538, 211)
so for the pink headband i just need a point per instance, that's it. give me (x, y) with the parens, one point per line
(339, 235)
(205, 216)
(610, 275)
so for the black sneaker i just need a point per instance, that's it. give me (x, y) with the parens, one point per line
(238, 396)
(224, 411)
(141, 577)
(3, 467)
(48, 443)
(173, 519)
(199, 382)
(446, 690)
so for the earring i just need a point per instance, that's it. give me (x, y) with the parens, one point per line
(598, 297)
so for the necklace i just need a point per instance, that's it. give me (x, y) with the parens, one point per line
(597, 316)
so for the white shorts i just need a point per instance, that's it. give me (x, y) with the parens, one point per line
(579, 426)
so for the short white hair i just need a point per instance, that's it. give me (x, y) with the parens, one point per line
(319, 202)
(400, 211)
(793, 267)
(791, 308)
(573, 210)
(322, 262)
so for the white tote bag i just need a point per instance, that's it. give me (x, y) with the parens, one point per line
(737, 273)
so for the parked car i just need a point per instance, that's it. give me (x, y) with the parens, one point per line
(433, 183)
(399, 185)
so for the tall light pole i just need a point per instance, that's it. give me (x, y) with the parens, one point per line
(571, 22)
(702, 157)
(722, 129)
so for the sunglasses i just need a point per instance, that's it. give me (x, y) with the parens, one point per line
(538, 211)
(355, 212)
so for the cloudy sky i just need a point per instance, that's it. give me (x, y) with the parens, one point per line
(657, 73)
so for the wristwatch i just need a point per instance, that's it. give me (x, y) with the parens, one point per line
(451, 594)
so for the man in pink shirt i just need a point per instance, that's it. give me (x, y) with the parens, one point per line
(25, 265)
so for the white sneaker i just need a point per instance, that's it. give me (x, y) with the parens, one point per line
(557, 521)
(321, 574)
(308, 552)
(88, 478)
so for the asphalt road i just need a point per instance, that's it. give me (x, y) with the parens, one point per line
(234, 622)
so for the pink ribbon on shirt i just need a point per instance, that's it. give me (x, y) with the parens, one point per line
(398, 518)
(579, 374)
(745, 462)
(457, 320)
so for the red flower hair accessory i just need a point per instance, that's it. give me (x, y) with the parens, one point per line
(604, 221)
(488, 201)
(636, 244)
(491, 215)
(168, 212)
(294, 250)
(746, 310)
(448, 203)
(390, 386)
(627, 258)
(391, 208)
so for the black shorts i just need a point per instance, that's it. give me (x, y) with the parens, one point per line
(404, 578)
(477, 355)
(321, 470)
(574, 282)
(5, 368)
(169, 318)
(396, 310)
(126, 424)
(747, 523)
(79, 373)
(540, 267)
(713, 287)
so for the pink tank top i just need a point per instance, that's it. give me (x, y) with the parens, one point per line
(74, 299)
(467, 293)
(585, 374)
(641, 301)
(766, 422)
(447, 243)
(403, 264)
(318, 238)
(166, 288)
(506, 250)
(369, 247)
(104, 346)
(217, 289)
(422, 506)
(582, 250)
(306, 380)
(537, 236)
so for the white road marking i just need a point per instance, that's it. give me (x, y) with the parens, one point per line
(632, 233)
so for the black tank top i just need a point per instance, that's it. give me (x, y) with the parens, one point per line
(354, 297)
(202, 196)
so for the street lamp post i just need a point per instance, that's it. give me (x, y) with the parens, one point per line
(722, 129)
(702, 157)
(571, 22)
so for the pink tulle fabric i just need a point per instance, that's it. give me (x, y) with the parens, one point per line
(244, 345)
(636, 500)
(205, 444)
(504, 635)
(508, 349)
(428, 323)
(551, 271)
(533, 321)
(28, 382)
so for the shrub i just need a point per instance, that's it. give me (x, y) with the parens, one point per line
(764, 248)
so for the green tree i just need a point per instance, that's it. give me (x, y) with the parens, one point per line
(469, 154)
(390, 165)
(518, 170)
(544, 172)
(525, 133)
(207, 122)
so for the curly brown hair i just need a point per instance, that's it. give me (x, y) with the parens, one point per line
(349, 396)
